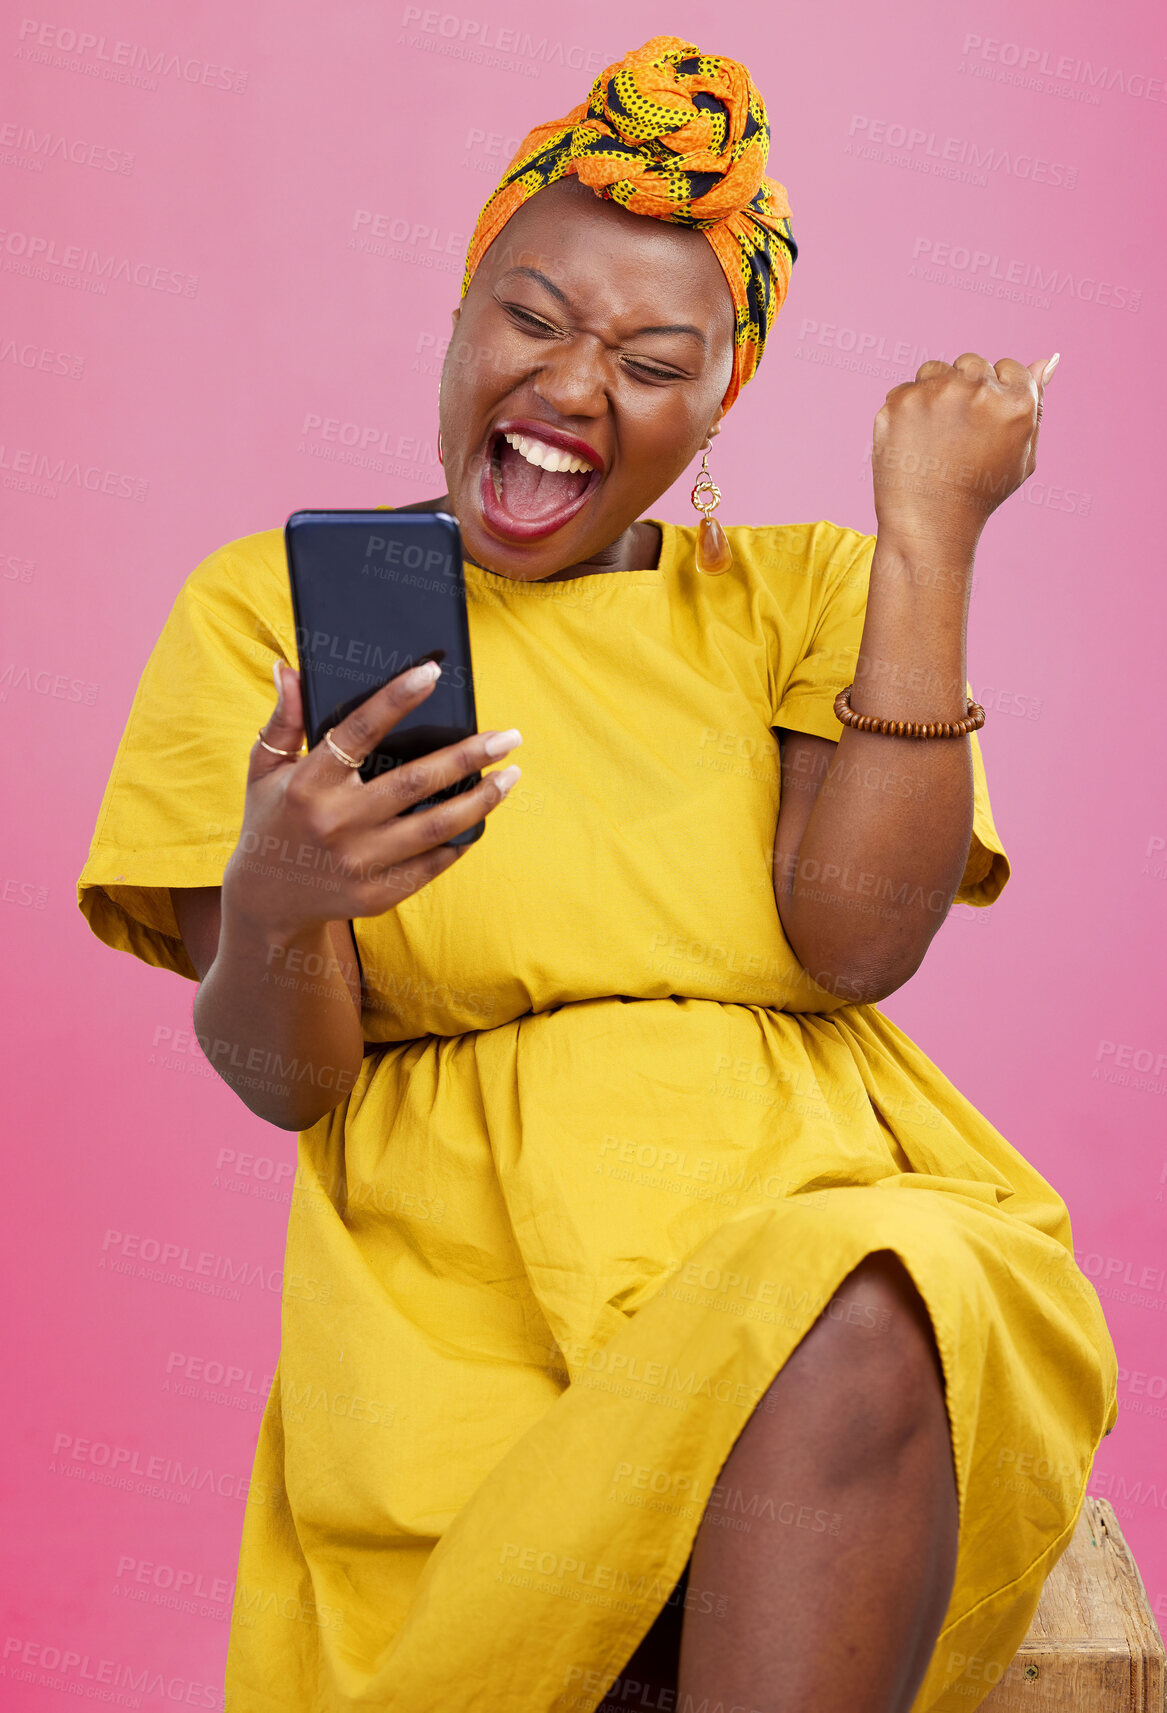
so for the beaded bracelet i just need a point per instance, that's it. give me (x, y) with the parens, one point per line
(908, 728)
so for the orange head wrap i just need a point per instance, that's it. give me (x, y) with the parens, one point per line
(681, 136)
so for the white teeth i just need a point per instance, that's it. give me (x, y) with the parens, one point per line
(546, 457)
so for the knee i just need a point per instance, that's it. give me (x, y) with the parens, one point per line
(879, 1304)
(873, 1353)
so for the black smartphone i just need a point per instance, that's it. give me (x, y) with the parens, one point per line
(374, 593)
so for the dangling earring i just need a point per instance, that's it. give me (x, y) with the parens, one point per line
(439, 430)
(714, 554)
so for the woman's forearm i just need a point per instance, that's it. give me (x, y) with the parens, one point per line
(278, 1009)
(275, 1017)
(886, 843)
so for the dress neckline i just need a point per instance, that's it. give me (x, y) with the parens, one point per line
(640, 577)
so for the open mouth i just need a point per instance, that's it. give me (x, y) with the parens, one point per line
(532, 485)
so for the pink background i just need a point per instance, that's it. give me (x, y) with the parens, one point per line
(252, 154)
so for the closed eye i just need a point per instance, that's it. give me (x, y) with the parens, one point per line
(525, 318)
(644, 371)
(535, 324)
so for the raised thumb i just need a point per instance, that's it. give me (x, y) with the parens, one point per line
(1042, 371)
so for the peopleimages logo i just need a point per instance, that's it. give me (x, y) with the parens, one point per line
(29, 148)
(995, 275)
(60, 45)
(34, 254)
(950, 157)
(1082, 79)
(122, 1682)
(29, 471)
(483, 42)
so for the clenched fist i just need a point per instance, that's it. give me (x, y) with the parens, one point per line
(950, 446)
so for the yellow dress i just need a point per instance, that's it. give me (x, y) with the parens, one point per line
(611, 1154)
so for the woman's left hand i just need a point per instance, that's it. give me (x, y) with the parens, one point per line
(950, 446)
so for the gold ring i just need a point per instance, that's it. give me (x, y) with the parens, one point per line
(348, 760)
(272, 750)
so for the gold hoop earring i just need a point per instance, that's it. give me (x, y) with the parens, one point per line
(714, 554)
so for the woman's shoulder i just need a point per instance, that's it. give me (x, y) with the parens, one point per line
(800, 570)
(243, 579)
(244, 583)
(821, 547)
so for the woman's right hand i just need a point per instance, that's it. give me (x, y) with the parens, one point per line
(320, 846)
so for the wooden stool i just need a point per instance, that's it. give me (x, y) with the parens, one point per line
(1093, 1646)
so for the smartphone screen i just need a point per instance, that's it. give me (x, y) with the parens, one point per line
(374, 593)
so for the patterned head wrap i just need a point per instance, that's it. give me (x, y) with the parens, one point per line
(680, 136)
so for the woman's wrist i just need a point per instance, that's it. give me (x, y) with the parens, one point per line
(936, 568)
(912, 661)
(281, 955)
(247, 936)
(252, 916)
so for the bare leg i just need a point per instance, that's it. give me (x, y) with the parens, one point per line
(836, 1594)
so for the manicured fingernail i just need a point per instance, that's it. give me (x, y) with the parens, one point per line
(279, 683)
(1050, 367)
(500, 742)
(505, 778)
(419, 676)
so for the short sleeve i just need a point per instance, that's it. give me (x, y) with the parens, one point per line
(839, 569)
(173, 806)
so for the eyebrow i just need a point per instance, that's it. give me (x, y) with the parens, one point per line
(549, 285)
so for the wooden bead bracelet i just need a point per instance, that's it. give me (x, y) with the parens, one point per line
(846, 716)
